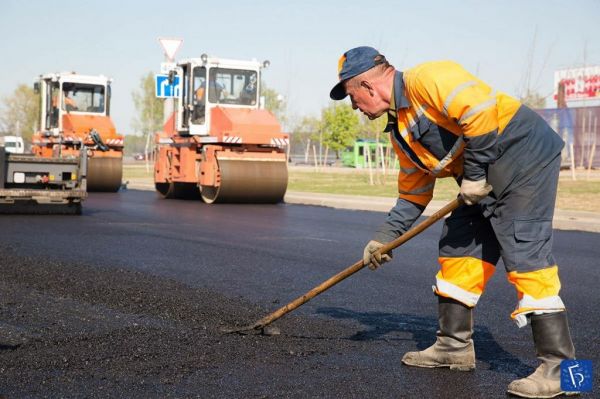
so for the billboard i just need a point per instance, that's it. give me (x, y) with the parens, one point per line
(580, 83)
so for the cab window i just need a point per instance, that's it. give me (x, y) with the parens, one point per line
(232, 86)
(79, 97)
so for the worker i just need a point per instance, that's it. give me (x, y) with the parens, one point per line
(199, 110)
(68, 102)
(200, 89)
(248, 94)
(445, 122)
(55, 103)
(215, 93)
(216, 89)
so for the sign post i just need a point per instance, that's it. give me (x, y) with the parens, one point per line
(170, 47)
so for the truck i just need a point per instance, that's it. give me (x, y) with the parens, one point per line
(12, 144)
(219, 143)
(75, 113)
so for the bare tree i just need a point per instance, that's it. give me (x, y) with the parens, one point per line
(529, 88)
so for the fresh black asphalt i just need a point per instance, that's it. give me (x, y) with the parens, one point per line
(127, 300)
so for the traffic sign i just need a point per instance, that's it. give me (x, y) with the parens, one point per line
(165, 90)
(166, 67)
(170, 46)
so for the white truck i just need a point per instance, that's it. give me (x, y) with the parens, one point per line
(12, 144)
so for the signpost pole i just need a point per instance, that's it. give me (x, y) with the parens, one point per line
(170, 47)
(168, 103)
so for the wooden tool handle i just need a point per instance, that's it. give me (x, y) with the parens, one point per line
(418, 229)
(357, 266)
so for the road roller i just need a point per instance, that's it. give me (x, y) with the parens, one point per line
(219, 143)
(75, 114)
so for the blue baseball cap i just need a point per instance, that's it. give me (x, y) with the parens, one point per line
(354, 62)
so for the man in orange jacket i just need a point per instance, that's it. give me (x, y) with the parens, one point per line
(445, 122)
(69, 103)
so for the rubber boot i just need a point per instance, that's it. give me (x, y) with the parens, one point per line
(454, 346)
(553, 344)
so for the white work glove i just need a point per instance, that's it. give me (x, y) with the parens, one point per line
(474, 191)
(375, 260)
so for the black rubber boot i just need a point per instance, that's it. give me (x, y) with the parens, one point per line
(454, 346)
(553, 344)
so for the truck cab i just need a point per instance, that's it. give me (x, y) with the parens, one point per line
(12, 144)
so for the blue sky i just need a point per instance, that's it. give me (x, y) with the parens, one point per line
(303, 40)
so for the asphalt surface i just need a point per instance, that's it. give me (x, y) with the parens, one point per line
(127, 301)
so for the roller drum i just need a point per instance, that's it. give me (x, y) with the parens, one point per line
(248, 181)
(104, 174)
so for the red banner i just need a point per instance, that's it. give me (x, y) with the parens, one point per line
(580, 83)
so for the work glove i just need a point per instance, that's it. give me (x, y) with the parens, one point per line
(375, 260)
(474, 191)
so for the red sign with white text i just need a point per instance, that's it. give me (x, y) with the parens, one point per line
(580, 83)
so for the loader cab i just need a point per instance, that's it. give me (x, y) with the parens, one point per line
(69, 93)
(211, 82)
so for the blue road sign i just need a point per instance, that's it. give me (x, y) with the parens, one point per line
(165, 90)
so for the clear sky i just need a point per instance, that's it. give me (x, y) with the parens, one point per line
(302, 39)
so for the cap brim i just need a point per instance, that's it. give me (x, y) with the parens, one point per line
(338, 92)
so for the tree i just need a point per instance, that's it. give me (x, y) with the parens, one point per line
(340, 126)
(150, 110)
(303, 133)
(20, 112)
(274, 102)
(533, 100)
(149, 118)
(373, 129)
(528, 94)
(134, 144)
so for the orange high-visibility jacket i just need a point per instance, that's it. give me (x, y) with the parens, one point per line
(69, 101)
(448, 124)
(446, 115)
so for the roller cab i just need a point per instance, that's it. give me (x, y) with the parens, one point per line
(75, 112)
(219, 144)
